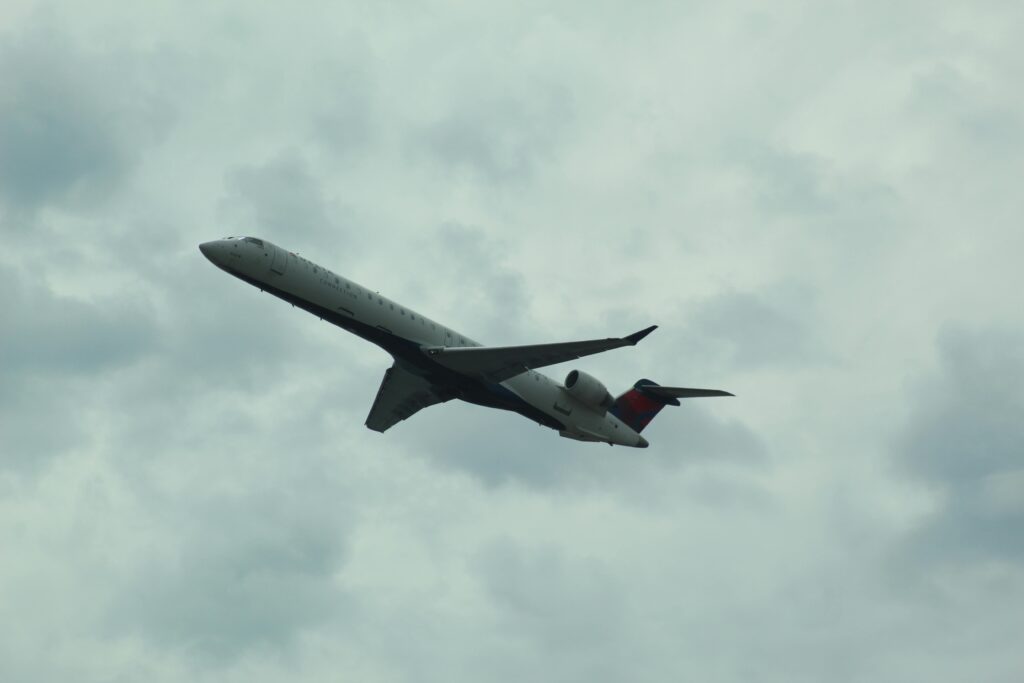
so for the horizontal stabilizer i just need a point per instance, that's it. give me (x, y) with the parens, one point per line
(680, 392)
(639, 405)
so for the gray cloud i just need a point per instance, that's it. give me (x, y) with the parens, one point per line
(773, 327)
(501, 449)
(957, 102)
(238, 570)
(71, 120)
(500, 138)
(344, 122)
(46, 333)
(964, 440)
(283, 201)
(477, 281)
(574, 612)
(787, 182)
(41, 418)
(59, 352)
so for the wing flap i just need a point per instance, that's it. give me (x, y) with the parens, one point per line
(498, 363)
(401, 395)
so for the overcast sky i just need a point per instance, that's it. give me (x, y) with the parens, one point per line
(819, 203)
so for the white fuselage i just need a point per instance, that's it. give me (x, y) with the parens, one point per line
(293, 277)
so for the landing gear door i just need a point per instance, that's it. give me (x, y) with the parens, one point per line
(280, 264)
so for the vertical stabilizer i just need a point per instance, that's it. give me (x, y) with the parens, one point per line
(636, 408)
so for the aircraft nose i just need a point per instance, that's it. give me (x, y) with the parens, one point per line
(209, 250)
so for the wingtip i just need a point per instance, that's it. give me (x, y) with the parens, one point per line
(637, 336)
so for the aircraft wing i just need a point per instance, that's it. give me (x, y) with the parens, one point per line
(498, 363)
(401, 395)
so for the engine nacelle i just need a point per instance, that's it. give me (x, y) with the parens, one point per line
(588, 390)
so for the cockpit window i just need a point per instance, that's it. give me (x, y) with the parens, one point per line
(257, 242)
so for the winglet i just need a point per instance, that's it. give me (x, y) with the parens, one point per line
(637, 336)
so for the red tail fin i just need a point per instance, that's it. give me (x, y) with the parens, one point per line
(636, 408)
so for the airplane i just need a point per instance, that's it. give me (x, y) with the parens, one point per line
(434, 363)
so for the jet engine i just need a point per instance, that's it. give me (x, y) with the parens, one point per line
(588, 390)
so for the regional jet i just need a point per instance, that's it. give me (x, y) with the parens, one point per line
(434, 363)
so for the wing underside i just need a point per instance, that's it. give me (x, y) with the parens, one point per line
(402, 395)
